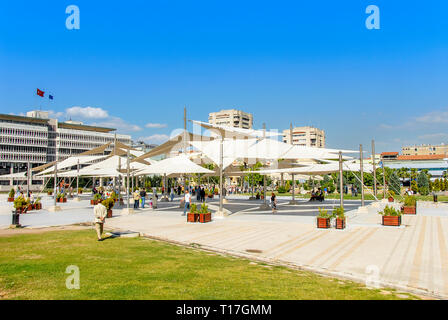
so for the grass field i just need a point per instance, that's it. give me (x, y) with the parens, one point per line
(32, 266)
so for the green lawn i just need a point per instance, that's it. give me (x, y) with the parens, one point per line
(32, 266)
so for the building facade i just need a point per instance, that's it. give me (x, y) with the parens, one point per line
(425, 149)
(36, 139)
(231, 118)
(305, 136)
(437, 165)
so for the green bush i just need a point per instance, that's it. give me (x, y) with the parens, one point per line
(394, 183)
(390, 211)
(97, 196)
(281, 189)
(19, 202)
(193, 208)
(108, 203)
(11, 193)
(204, 208)
(410, 201)
(323, 213)
(339, 212)
(423, 183)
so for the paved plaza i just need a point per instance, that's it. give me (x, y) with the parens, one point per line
(413, 257)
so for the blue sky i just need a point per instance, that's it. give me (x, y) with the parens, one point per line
(134, 65)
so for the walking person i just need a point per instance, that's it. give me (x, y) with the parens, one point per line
(202, 194)
(274, 202)
(172, 194)
(100, 212)
(143, 197)
(187, 200)
(136, 199)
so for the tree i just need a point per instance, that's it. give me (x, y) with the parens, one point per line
(394, 183)
(414, 186)
(423, 183)
(328, 183)
(436, 185)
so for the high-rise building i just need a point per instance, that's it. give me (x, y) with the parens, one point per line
(38, 139)
(305, 136)
(424, 149)
(231, 118)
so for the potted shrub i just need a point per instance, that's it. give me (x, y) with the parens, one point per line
(323, 219)
(49, 192)
(209, 194)
(204, 214)
(391, 217)
(96, 198)
(11, 195)
(79, 190)
(193, 215)
(20, 204)
(410, 205)
(37, 204)
(28, 204)
(109, 204)
(391, 196)
(114, 196)
(61, 197)
(338, 212)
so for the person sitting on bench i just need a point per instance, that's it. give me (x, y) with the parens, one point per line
(313, 196)
(320, 195)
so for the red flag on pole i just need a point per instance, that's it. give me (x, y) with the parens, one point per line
(40, 93)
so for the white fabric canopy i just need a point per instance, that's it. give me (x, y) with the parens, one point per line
(17, 175)
(108, 167)
(232, 131)
(178, 164)
(318, 169)
(70, 162)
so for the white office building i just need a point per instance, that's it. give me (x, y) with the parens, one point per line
(37, 139)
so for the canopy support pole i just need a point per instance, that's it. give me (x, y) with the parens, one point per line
(220, 213)
(264, 205)
(374, 167)
(384, 180)
(55, 208)
(361, 161)
(77, 182)
(127, 210)
(293, 201)
(341, 182)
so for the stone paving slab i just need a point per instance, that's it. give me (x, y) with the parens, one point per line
(411, 258)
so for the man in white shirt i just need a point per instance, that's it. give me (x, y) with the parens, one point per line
(187, 199)
(100, 213)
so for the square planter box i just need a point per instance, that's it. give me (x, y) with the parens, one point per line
(94, 202)
(409, 210)
(205, 217)
(109, 213)
(192, 217)
(61, 200)
(323, 223)
(394, 221)
(50, 193)
(340, 223)
(391, 199)
(10, 199)
(38, 206)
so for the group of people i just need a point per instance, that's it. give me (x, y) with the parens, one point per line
(140, 195)
(317, 195)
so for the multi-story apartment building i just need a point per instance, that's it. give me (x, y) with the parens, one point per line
(231, 118)
(37, 139)
(305, 136)
(424, 149)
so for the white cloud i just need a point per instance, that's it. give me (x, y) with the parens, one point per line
(433, 136)
(119, 124)
(155, 125)
(87, 112)
(434, 117)
(155, 138)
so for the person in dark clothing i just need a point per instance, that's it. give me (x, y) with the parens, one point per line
(202, 194)
(143, 197)
(179, 190)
